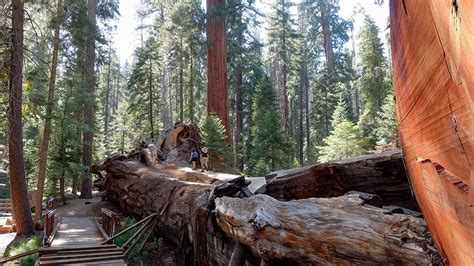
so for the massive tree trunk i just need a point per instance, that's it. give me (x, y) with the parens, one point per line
(88, 134)
(433, 78)
(337, 231)
(217, 95)
(382, 174)
(43, 154)
(18, 188)
(200, 223)
(323, 6)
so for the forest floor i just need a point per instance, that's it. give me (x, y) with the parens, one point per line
(5, 240)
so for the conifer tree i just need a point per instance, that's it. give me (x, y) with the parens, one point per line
(372, 65)
(215, 139)
(270, 147)
(386, 129)
(345, 141)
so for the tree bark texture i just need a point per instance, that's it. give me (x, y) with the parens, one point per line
(207, 217)
(432, 48)
(88, 134)
(18, 187)
(337, 231)
(382, 174)
(217, 94)
(326, 35)
(43, 154)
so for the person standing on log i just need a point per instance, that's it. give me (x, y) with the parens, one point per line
(194, 158)
(204, 158)
(153, 151)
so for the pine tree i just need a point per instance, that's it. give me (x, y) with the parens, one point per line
(143, 85)
(270, 147)
(215, 139)
(282, 36)
(372, 67)
(345, 141)
(386, 129)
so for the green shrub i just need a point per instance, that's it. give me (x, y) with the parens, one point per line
(23, 245)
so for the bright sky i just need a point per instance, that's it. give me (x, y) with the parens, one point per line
(126, 38)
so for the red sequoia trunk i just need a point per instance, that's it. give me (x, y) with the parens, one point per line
(18, 188)
(327, 35)
(217, 94)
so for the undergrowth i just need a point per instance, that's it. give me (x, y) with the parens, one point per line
(134, 257)
(23, 245)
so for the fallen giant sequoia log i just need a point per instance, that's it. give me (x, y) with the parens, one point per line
(202, 226)
(382, 174)
(433, 77)
(335, 230)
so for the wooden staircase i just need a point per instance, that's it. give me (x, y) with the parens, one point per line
(82, 254)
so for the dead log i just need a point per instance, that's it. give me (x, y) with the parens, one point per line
(342, 230)
(186, 224)
(382, 174)
(338, 230)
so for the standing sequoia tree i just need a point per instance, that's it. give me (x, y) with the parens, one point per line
(88, 134)
(18, 189)
(217, 94)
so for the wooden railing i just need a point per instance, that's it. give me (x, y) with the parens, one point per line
(109, 220)
(50, 227)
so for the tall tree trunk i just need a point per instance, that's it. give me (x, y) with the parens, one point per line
(88, 134)
(239, 108)
(106, 100)
(43, 154)
(326, 34)
(150, 98)
(181, 81)
(217, 94)
(286, 111)
(191, 87)
(18, 188)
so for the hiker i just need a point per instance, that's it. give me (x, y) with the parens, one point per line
(194, 158)
(204, 158)
(153, 150)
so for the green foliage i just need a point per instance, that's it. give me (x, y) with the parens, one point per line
(386, 125)
(221, 157)
(345, 141)
(270, 148)
(371, 82)
(24, 245)
(124, 224)
(135, 258)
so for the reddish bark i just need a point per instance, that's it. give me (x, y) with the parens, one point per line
(18, 188)
(217, 95)
(432, 48)
(327, 35)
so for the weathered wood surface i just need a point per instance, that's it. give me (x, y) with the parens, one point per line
(432, 48)
(189, 223)
(141, 190)
(382, 174)
(338, 230)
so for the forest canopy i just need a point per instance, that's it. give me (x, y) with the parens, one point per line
(301, 94)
